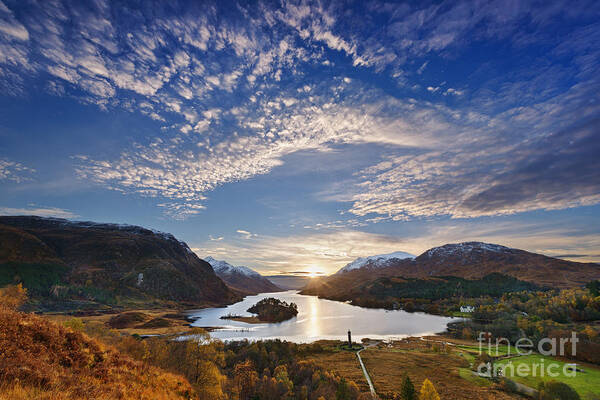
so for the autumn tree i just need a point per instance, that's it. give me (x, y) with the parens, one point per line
(281, 376)
(245, 379)
(428, 391)
(13, 296)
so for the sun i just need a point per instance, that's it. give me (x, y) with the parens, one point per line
(313, 271)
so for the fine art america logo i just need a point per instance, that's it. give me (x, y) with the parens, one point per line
(500, 348)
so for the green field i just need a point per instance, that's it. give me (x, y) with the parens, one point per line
(467, 374)
(500, 350)
(586, 383)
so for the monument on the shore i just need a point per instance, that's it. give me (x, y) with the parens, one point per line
(349, 338)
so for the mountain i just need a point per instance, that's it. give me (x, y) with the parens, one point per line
(242, 279)
(477, 259)
(88, 264)
(471, 260)
(379, 261)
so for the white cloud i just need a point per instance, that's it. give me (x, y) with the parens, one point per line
(39, 211)
(14, 171)
(246, 234)
(180, 68)
(331, 250)
(453, 91)
(485, 172)
(10, 26)
(174, 172)
(327, 251)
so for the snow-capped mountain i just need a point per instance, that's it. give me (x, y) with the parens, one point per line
(378, 261)
(469, 260)
(466, 253)
(242, 278)
(223, 267)
(464, 248)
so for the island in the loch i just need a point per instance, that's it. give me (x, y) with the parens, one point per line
(267, 310)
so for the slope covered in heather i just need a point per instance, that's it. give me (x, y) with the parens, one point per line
(43, 360)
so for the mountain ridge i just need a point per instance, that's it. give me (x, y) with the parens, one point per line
(376, 261)
(94, 264)
(242, 278)
(470, 260)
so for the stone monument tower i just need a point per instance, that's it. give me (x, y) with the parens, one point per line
(349, 338)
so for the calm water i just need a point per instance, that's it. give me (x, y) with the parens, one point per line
(319, 319)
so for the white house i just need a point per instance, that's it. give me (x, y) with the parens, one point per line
(467, 309)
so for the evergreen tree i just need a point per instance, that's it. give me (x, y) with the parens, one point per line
(407, 391)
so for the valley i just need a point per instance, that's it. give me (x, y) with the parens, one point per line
(146, 296)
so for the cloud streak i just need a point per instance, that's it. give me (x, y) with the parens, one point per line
(39, 211)
(328, 251)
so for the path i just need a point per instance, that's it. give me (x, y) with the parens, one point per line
(362, 365)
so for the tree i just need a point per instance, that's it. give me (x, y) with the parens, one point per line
(75, 323)
(594, 287)
(13, 296)
(281, 376)
(245, 379)
(407, 391)
(428, 391)
(343, 391)
(554, 390)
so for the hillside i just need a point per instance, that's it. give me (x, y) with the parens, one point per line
(242, 279)
(471, 260)
(41, 359)
(67, 264)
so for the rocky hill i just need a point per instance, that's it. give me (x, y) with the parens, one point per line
(241, 278)
(87, 264)
(471, 260)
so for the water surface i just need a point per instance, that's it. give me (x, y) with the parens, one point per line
(319, 319)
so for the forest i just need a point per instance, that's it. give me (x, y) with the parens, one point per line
(540, 314)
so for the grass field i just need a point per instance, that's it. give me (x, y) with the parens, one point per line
(345, 364)
(586, 383)
(387, 365)
(500, 350)
(467, 374)
(387, 369)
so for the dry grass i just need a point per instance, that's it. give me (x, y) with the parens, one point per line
(163, 321)
(343, 363)
(40, 359)
(388, 365)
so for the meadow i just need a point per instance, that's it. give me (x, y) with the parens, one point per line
(586, 383)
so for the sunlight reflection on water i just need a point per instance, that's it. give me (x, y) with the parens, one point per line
(319, 319)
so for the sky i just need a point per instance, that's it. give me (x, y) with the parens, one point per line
(295, 136)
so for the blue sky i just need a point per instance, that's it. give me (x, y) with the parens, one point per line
(300, 135)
